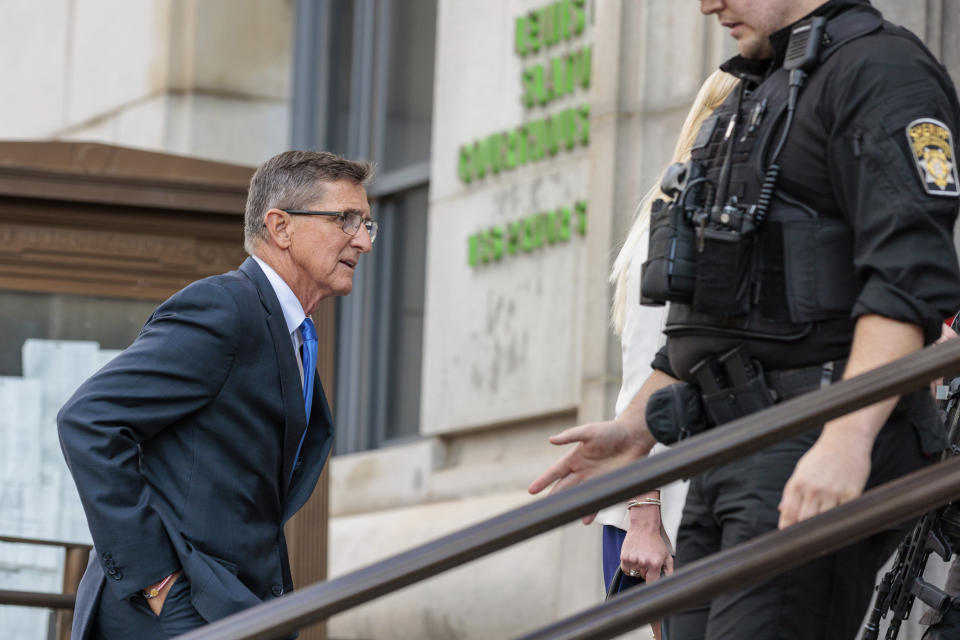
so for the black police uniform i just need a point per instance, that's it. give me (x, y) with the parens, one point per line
(859, 222)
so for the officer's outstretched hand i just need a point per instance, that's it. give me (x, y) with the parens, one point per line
(601, 447)
(833, 471)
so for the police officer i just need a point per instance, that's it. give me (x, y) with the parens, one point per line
(821, 229)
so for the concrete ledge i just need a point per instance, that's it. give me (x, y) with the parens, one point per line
(383, 479)
(515, 590)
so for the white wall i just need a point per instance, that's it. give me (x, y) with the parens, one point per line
(37, 496)
(206, 78)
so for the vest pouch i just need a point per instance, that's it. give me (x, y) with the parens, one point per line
(722, 286)
(668, 273)
(820, 277)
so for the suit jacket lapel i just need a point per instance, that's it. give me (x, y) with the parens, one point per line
(291, 388)
(316, 449)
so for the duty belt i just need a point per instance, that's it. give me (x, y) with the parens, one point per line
(733, 385)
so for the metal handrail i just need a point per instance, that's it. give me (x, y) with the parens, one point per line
(42, 599)
(42, 542)
(717, 446)
(764, 556)
(76, 555)
(45, 599)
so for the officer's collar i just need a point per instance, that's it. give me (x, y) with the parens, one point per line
(755, 70)
(833, 8)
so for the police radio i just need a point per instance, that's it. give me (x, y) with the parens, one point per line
(701, 239)
(668, 274)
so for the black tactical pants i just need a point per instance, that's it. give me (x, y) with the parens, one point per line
(825, 598)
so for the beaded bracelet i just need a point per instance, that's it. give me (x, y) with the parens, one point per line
(153, 592)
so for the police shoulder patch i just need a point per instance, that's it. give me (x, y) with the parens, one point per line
(932, 149)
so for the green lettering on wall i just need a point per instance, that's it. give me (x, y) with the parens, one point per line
(584, 117)
(555, 78)
(533, 32)
(568, 128)
(529, 142)
(558, 77)
(463, 164)
(527, 234)
(561, 76)
(579, 16)
(529, 81)
(564, 214)
(526, 241)
(547, 26)
(514, 231)
(510, 149)
(520, 37)
(481, 159)
(551, 226)
(538, 231)
(534, 151)
(551, 134)
(583, 66)
(543, 229)
(493, 152)
(541, 93)
(472, 249)
(496, 240)
(521, 146)
(564, 19)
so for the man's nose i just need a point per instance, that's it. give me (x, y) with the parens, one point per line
(361, 240)
(710, 6)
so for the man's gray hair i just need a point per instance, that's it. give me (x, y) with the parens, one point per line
(290, 180)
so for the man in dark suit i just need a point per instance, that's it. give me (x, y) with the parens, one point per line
(193, 447)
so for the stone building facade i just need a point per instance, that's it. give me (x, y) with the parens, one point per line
(546, 121)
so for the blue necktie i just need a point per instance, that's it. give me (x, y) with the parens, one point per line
(309, 333)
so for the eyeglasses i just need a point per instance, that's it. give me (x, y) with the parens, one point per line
(350, 220)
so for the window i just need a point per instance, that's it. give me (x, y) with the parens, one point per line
(112, 322)
(364, 88)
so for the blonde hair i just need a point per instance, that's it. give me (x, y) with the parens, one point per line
(714, 91)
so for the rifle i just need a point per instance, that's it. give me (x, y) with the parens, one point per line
(938, 531)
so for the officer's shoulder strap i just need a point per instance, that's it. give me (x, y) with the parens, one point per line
(865, 20)
(849, 26)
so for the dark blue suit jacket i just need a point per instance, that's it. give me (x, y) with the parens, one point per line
(183, 446)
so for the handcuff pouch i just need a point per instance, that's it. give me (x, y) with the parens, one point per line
(674, 413)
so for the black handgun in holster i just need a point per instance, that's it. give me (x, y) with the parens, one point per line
(732, 386)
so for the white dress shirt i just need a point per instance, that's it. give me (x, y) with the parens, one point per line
(292, 309)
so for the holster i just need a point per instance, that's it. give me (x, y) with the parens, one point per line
(729, 387)
(732, 385)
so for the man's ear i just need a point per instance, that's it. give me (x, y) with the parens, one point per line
(279, 227)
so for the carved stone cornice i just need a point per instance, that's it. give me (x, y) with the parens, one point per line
(92, 172)
(97, 220)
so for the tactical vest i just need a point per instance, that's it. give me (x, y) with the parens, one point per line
(795, 268)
